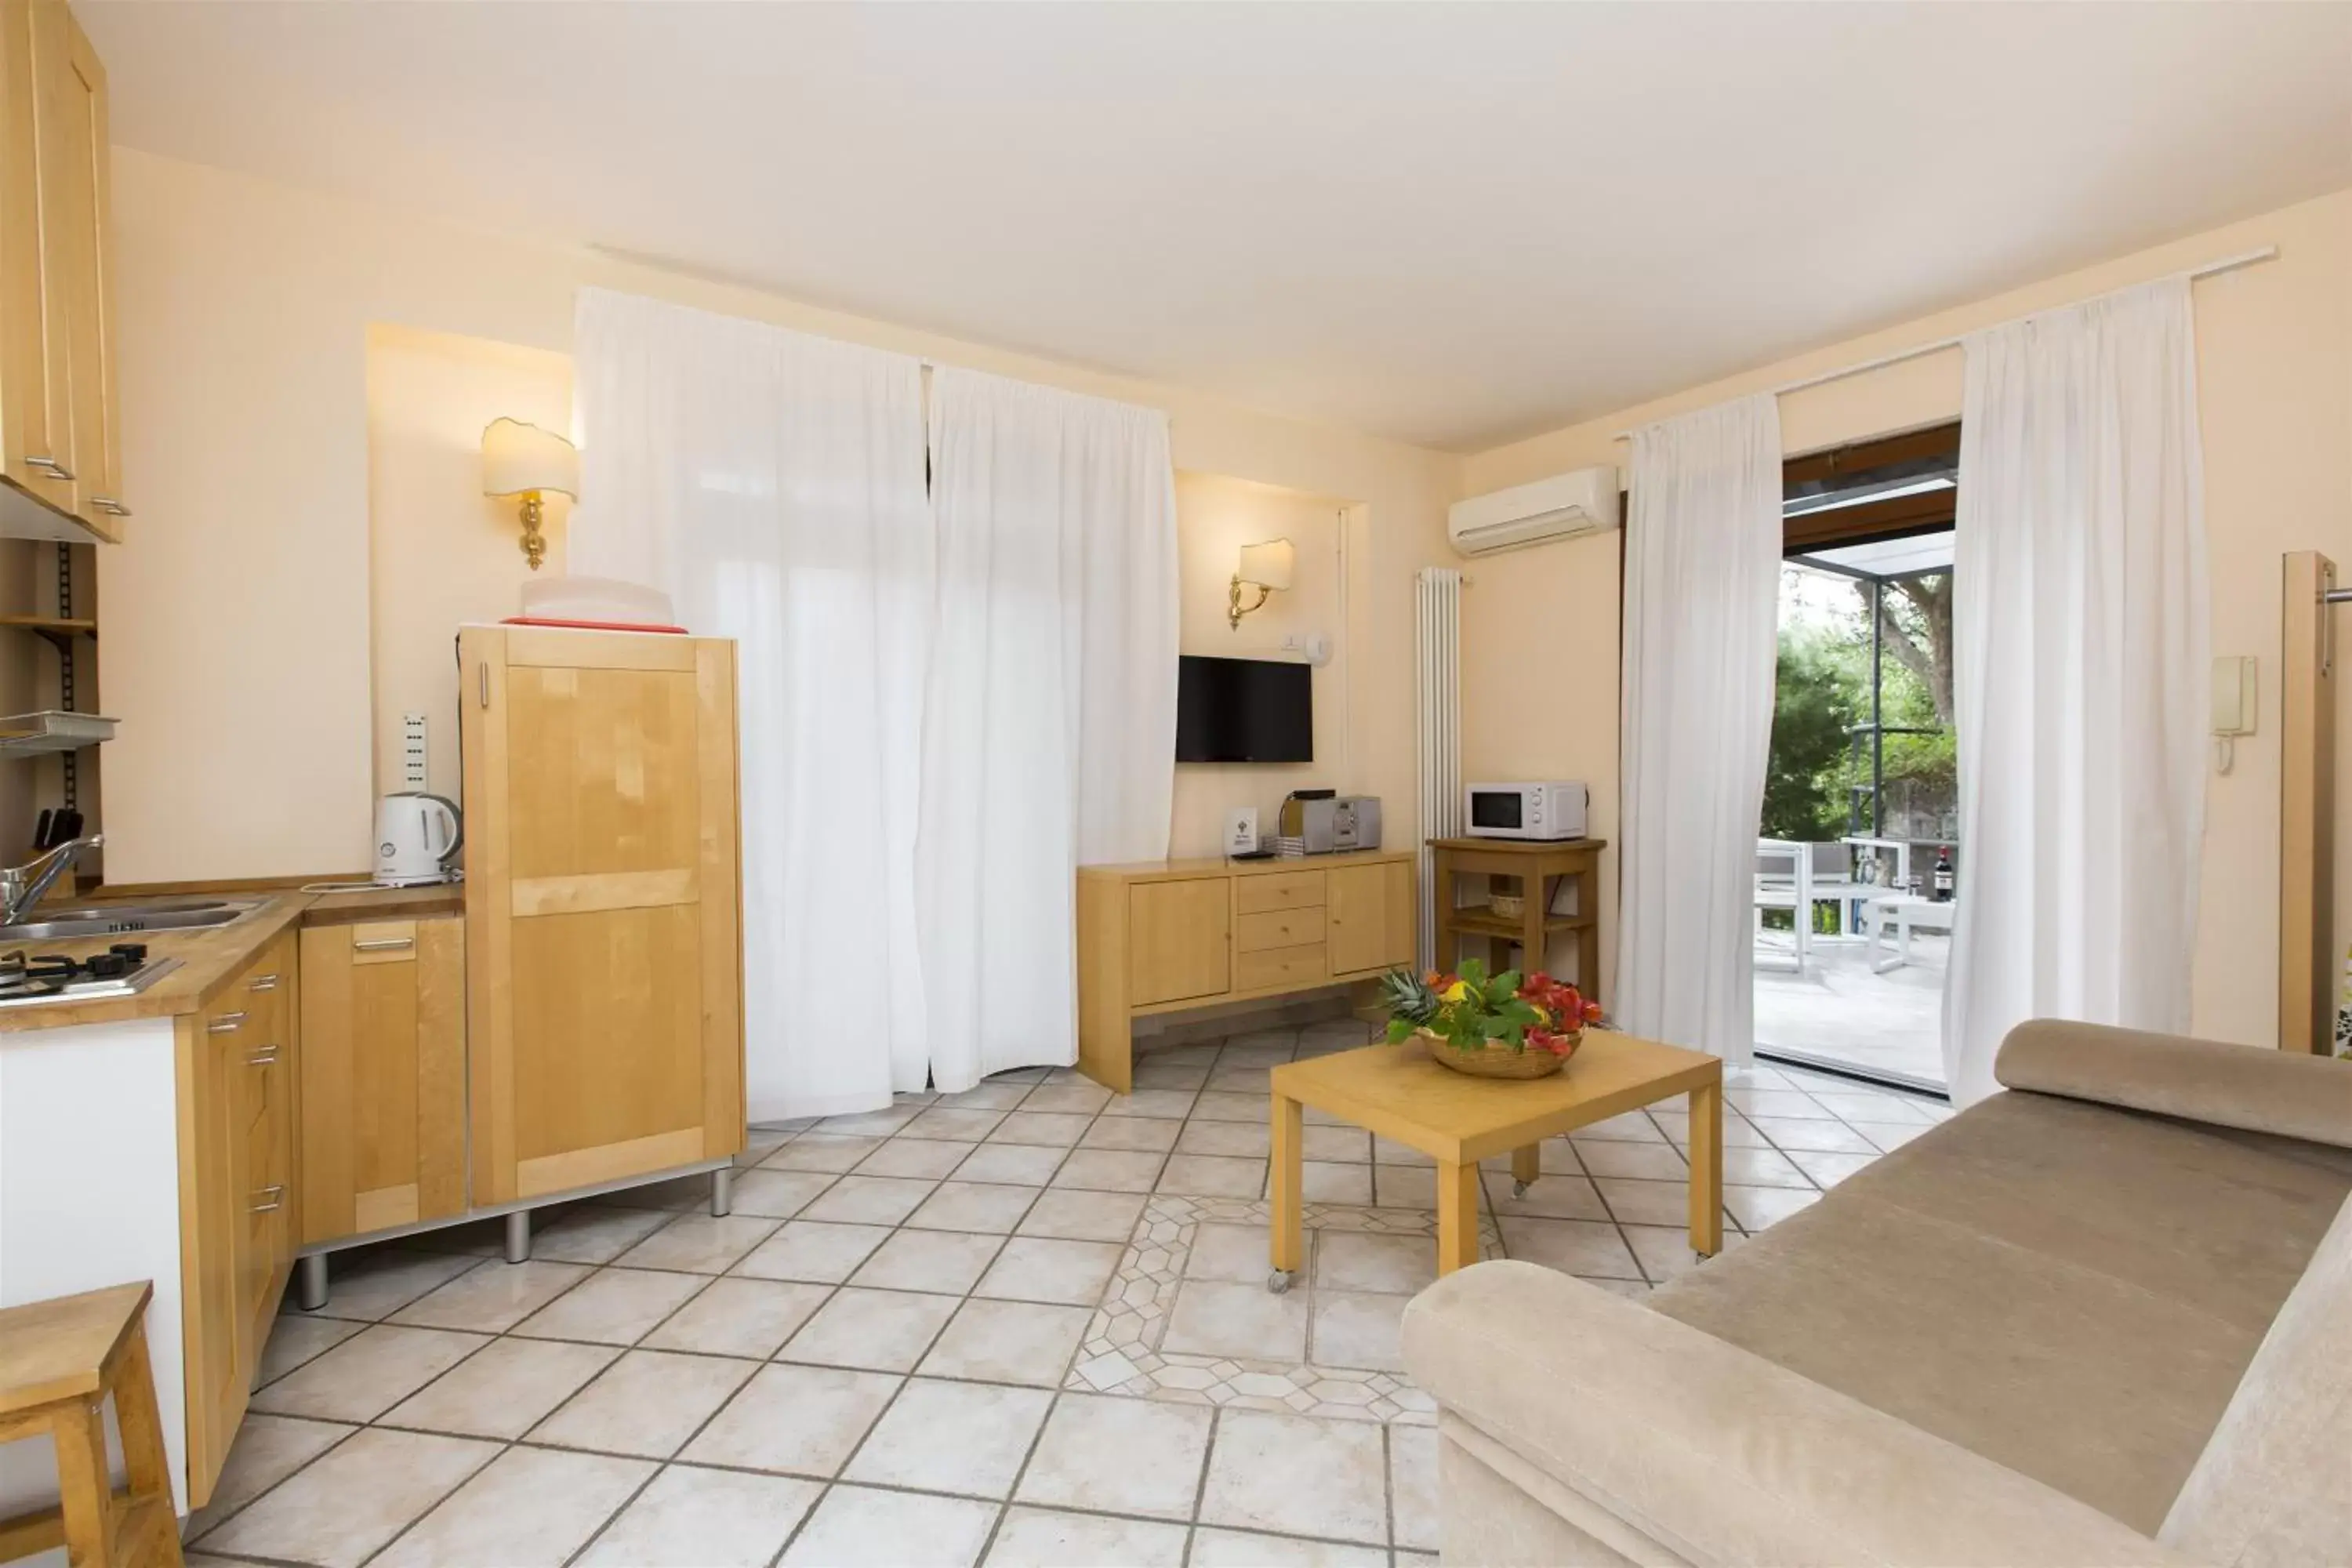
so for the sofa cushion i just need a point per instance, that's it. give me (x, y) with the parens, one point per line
(2271, 1488)
(2213, 1081)
(2070, 1290)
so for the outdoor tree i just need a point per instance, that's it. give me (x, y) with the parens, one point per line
(1814, 701)
(1914, 626)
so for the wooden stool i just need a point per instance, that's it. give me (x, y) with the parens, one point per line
(58, 1361)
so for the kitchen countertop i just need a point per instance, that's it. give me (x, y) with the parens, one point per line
(385, 904)
(210, 958)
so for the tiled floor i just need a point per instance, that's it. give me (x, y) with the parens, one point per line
(1027, 1325)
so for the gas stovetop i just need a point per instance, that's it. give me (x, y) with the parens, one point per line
(123, 970)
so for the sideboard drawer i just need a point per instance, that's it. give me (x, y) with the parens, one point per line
(1277, 928)
(1281, 966)
(1279, 890)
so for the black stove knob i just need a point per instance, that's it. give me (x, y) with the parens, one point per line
(106, 965)
(136, 951)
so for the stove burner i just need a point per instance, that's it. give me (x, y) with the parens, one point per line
(120, 969)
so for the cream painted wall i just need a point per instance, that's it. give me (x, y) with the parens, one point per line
(2274, 359)
(238, 615)
(441, 552)
(1215, 516)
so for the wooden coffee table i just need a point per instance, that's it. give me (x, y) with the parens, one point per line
(1458, 1120)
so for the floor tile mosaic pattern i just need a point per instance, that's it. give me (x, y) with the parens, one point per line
(1025, 1324)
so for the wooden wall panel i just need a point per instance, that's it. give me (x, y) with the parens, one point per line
(2309, 956)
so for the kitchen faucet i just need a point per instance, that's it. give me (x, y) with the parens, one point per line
(21, 886)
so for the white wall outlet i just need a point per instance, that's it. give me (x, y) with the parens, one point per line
(413, 772)
(1315, 647)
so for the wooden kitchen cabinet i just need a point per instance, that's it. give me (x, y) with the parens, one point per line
(61, 443)
(383, 1076)
(603, 964)
(239, 1068)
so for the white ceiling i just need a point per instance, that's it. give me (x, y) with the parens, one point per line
(1452, 224)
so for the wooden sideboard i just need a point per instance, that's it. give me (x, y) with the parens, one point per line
(1169, 935)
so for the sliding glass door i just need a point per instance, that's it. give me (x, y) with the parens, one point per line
(1857, 864)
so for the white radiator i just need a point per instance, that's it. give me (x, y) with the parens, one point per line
(1437, 688)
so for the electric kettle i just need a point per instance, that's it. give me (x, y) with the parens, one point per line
(416, 835)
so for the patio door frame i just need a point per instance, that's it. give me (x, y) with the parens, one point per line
(1868, 523)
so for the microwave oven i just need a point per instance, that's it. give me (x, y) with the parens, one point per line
(1548, 810)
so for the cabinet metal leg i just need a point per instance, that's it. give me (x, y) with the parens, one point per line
(310, 1281)
(722, 1192)
(518, 1236)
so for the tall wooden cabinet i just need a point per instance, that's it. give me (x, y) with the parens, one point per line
(60, 442)
(605, 1013)
(383, 1075)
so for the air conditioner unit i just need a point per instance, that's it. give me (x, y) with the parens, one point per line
(1561, 507)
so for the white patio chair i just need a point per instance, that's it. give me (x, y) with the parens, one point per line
(1784, 874)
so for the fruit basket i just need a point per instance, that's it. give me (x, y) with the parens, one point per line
(1495, 1059)
(1490, 1026)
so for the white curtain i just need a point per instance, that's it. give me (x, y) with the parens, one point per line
(1702, 604)
(773, 484)
(2080, 675)
(1050, 733)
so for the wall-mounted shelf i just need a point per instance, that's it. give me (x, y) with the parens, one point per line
(53, 731)
(58, 629)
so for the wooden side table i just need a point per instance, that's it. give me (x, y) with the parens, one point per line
(1540, 864)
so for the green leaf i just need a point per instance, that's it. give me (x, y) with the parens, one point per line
(1399, 1028)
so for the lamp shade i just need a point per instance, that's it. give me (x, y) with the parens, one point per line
(1269, 565)
(518, 457)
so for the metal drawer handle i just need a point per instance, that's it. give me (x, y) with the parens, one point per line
(264, 1058)
(56, 468)
(385, 944)
(227, 1024)
(262, 982)
(277, 1196)
(109, 504)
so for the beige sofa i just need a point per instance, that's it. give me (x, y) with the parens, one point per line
(2102, 1318)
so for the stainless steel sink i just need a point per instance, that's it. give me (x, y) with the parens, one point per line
(150, 914)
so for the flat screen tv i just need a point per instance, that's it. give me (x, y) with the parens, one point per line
(1243, 710)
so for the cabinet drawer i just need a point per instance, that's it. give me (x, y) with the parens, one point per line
(1281, 966)
(1277, 928)
(383, 942)
(1279, 890)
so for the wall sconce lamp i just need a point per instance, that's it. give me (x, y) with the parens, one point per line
(520, 459)
(1265, 567)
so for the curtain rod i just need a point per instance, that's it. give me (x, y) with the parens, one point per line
(2223, 264)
